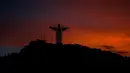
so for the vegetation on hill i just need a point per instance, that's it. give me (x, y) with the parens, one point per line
(43, 54)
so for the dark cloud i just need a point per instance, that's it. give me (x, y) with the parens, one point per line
(16, 9)
(17, 13)
(122, 52)
(107, 47)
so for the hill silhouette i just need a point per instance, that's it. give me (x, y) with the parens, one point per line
(39, 54)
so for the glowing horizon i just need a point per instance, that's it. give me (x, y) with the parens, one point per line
(91, 22)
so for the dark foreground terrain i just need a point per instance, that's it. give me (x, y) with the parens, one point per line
(39, 54)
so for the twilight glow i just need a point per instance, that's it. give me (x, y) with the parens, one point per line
(92, 22)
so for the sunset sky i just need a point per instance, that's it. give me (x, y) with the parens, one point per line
(95, 23)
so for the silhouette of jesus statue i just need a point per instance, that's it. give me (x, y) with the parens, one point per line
(59, 30)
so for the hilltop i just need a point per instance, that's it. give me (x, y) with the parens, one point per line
(41, 53)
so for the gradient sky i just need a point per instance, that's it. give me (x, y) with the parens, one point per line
(96, 23)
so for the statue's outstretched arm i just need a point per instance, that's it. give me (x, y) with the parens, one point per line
(53, 28)
(65, 28)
